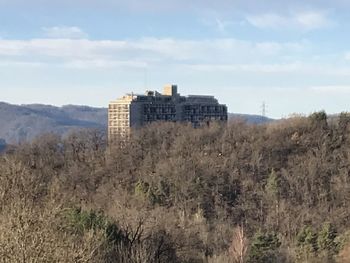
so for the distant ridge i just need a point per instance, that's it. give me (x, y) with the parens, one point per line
(25, 122)
(2, 145)
(250, 119)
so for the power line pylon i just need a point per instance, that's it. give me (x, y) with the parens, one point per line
(263, 109)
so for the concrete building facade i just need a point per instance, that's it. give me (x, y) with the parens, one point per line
(134, 110)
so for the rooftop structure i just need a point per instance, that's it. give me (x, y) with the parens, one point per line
(137, 110)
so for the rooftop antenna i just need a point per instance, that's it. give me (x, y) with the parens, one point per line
(263, 109)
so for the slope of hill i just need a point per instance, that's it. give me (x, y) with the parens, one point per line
(24, 122)
(251, 119)
(2, 145)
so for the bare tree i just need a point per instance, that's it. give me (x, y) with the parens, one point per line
(239, 245)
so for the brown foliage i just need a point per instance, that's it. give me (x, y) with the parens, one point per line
(189, 188)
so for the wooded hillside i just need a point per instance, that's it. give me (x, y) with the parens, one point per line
(239, 193)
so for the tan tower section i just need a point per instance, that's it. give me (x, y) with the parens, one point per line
(119, 118)
(170, 90)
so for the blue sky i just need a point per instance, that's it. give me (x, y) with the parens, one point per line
(294, 55)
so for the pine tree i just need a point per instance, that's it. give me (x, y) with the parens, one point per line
(264, 248)
(307, 244)
(326, 240)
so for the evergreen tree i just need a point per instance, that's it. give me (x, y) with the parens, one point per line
(326, 240)
(264, 248)
(307, 244)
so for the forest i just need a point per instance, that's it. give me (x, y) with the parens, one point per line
(235, 192)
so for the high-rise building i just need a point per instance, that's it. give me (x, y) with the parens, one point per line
(134, 110)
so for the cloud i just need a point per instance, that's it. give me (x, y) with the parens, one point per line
(83, 64)
(153, 51)
(302, 68)
(24, 64)
(347, 55)
(331, 89)
(222, 26)
(313, 20)
(64, 32)
(216, 55)
(252, 68)
(179, 5)
(267, 20)
(304, 20)
(223, 55)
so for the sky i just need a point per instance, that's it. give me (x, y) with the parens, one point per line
(292, 55)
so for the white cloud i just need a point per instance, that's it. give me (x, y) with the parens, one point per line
(171, 6)
(83, 64)
(222, 26)
(302, 68)
(24, 64)
(347, 55)
(304, 20)
(156, 51)
(331, 89)
(267, 21)
(218, 55)
(64, 32)
(313, 20)
(252, 68)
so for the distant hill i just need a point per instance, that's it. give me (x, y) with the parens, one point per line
(251, 119)
(2, 145)
(25, 122)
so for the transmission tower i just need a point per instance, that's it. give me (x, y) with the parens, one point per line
(263, 109)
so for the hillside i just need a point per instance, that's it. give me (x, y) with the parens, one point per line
(275, 193)
(251, 119)
(25, 122)
(2, 145)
